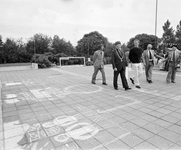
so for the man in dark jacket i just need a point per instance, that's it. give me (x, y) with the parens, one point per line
(119, 64)
(135, 58)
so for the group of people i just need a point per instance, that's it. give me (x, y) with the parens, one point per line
(135, 57)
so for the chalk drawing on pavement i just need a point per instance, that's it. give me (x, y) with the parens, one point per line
(64, 128)
(50, 93)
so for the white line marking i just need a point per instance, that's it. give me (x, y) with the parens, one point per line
(122, 106)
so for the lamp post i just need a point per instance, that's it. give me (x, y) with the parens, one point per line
(156, 22)
(34, 47)
(88, 52)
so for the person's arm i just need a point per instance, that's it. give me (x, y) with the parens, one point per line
(94, 57)
(143, 58)
(130, 56)
(156, 55)
(113, 60)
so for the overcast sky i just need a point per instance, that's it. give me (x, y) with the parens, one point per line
(71, 19)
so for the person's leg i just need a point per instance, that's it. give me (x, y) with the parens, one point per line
(115, 80)
(126, 73)
(135, 69)
(168, 79)
(103, 75)
(173, 74)
(146, 72)
(94, 74)
(150, 72)
(123, 78)
(140, 69)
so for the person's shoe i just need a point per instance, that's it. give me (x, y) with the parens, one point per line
(116, 88)
(104, 83)
(128, 88)
(93, 82)
(167, 82)
(132, 80)
(173, 82)
(138, 87)
(150, 81)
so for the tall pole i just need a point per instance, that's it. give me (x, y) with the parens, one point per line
(34, 47)
(156, 23)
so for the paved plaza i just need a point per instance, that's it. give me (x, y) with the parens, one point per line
(59, 109)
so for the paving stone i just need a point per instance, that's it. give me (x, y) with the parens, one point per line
(104, 137)
(129, 126)
(145, 146)
(170, 119)
(44, 144)
(1, 145)
(175, 128)
(117, 144)
(131, 140)
(1, 136)
(162, 123)
(70, 145)
(174, 147)
(143, 133)
(13, 132)
(117, 131)
(170, 135)
(153, 128)
(88, 144)
(14, 142)
(139, 121)
(160, 142)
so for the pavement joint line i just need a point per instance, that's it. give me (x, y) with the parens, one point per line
(115, 139)
(122, 106)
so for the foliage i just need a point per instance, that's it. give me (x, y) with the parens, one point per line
(61, 46)
(89, 63)
(39, 44)
(145, 39)
(41, 60)
(108, 49)
(14, 51)
(168, 35)
(107, 60)
(178, 35)
(90, 43)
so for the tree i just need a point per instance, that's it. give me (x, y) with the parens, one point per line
(168, 35)
(178, 35)
(89, 43)
(10, 51)
(1, 50)
(108, 49)
(14, 51)
(61, 46)
(39, 44)
(145, 39)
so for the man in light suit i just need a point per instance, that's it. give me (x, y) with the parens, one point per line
(119, 64)
(149, 61)
(173, 60)
(98, 62)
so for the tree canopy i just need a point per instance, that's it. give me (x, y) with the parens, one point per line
(89, 43)
(145, 39)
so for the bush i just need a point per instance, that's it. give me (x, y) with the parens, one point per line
(89, 63)
(107, 60)
(41, 60)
